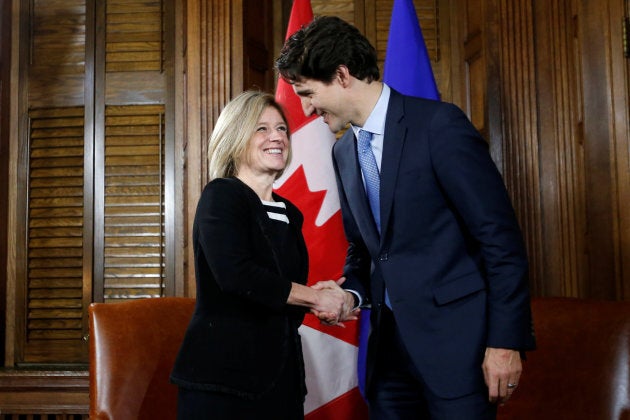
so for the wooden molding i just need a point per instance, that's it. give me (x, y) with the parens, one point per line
(44, 392)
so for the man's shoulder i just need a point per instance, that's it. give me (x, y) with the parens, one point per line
(422, 110)
(401, 99)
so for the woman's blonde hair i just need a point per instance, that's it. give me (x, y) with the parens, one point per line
(234, 128)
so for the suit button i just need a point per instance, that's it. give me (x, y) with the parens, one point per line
(384, 257)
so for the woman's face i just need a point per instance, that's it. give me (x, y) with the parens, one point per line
(268, 148)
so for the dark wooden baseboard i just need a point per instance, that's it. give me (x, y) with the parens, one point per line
(39, 394)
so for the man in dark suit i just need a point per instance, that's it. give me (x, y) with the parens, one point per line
(434, 245)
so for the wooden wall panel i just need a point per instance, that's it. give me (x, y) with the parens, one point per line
(562, 166)
(215, 74)
(57, 53)
(475, 34)
(603, 246)
(258, 49)
(538, 146)
(564, 93)
(620, 116)
(520, 165)
(342, 8)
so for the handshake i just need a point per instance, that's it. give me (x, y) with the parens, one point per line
(332, 304)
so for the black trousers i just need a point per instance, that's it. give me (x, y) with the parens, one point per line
(398, 391)
(284, 401)
(205, 405)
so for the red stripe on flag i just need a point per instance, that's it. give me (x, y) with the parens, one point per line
(349, 334)
(349, 406)
(301, 14)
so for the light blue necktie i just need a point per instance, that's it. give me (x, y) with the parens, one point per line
(370, 174)
(367, 161)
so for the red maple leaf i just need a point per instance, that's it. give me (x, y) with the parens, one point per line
(326, 245)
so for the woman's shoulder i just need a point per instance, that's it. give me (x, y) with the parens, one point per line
(225, 186)
(225, 191)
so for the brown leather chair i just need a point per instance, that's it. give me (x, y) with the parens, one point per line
(133, 345)
(581, 369)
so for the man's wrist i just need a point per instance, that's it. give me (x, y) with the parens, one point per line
(356, 298)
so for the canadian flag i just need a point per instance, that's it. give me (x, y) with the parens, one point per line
(330, 353)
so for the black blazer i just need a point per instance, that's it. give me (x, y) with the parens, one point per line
(450, 249)
(240, 331)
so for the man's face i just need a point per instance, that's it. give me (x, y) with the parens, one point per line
(326, 100)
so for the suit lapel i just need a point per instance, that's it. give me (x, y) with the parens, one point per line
(394, 140)
(352, 182)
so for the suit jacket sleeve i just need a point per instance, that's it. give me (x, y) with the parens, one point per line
(472, 183)
(358, 261)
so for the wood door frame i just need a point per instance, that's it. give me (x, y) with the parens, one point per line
(5, 73)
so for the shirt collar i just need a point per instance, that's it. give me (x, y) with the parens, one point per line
(375, 122)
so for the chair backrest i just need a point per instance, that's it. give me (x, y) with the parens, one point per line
(133, 345)
(581, 368)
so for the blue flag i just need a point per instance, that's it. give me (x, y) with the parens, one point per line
(407, 63)
(408, 70)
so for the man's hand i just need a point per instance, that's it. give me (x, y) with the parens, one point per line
(502, 370)
(345, 311)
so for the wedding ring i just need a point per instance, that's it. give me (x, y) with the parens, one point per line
(511, 385)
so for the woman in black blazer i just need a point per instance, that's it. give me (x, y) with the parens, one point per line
(241, 357)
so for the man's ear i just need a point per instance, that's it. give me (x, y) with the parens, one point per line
(343, 75)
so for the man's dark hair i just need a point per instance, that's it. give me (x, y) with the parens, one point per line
(317, 50)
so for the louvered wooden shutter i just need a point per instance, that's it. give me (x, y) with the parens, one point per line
(134, 35)
(134, 239)
(134, 202)
(55, 234)
(95, 171)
